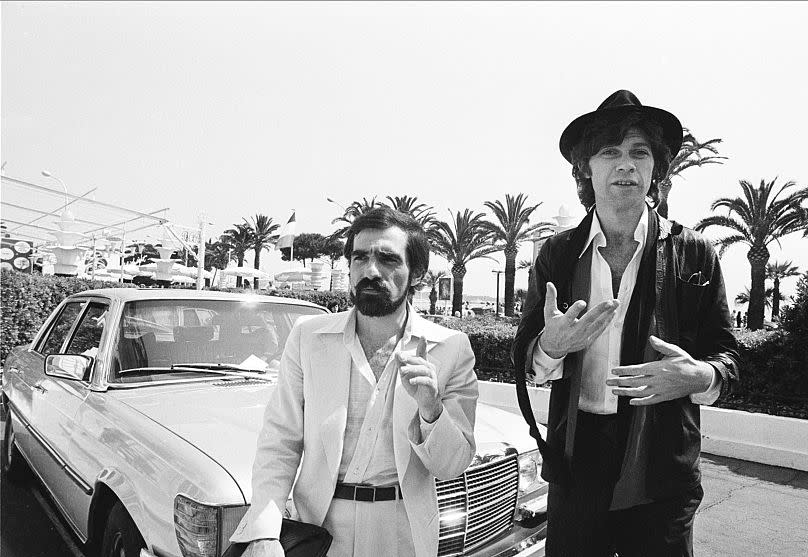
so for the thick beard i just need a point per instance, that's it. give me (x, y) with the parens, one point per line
(376, 304)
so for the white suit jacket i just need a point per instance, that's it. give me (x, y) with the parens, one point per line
(306, 415)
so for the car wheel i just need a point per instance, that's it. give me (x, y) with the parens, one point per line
(121, 536)
(10, 457)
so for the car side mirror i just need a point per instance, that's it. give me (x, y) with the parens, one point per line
(68, 366)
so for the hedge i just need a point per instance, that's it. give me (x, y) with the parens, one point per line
(28, 299)
(774, 364)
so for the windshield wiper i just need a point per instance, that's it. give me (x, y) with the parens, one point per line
(216, 366)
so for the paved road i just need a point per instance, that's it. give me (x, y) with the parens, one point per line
(26, 528)
(748, 509)
(751, 509)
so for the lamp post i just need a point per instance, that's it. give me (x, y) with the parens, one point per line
(340, 205)
(496, 308)
(48, 174)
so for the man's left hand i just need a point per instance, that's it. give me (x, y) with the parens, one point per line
(420, 379)
(676, 375)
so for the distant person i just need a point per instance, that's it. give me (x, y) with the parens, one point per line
(629, 374)
(738, 319)
(363, 410)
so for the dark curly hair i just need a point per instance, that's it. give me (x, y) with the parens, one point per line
(384, 217)
(611, 131)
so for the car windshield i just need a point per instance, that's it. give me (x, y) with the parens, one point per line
(166, 339)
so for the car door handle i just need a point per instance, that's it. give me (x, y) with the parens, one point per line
(40, 388)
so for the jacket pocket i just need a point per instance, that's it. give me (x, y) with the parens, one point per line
(689, 303)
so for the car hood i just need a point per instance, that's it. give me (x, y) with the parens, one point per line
(222, 419)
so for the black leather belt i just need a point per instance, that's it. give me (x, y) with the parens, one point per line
(367, 493)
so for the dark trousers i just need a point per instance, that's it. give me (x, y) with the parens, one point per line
(580, 524)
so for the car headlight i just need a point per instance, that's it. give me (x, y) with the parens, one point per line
(529, 467)
(203, 530)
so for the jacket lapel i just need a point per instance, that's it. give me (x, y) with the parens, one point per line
(405, 409)
(331, 371)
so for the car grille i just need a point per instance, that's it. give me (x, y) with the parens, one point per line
(477, 506)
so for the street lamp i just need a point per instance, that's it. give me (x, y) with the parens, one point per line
(496, 308)
(48, 174)
(336, 203)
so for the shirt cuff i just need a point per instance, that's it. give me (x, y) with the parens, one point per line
(545, 367)
(426, 427)
(712, 393)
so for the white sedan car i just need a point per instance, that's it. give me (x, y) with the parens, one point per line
(139, 411)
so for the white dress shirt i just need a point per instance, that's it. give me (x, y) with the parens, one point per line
(604, 353)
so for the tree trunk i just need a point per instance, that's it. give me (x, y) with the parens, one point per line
(458, 272)
(240, 264)
(256, 264)
(776, 299)
(510, 278)
(758, 256)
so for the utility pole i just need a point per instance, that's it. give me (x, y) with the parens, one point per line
(200, 259)
(496, 308)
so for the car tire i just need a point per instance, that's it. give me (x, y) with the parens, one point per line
(10, 458)
(121, 536)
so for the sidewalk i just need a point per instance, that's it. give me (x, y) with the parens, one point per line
(751, 509)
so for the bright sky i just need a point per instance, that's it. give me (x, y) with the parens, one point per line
(234, 109)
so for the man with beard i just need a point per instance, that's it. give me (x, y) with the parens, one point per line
(373, 404)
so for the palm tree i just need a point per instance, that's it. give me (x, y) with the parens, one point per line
(509, 231)
(689, 155)
(421, 212)
(431, 280)
(762, 218)
(776, 272)
(742, 298)
(350, 213)
(262, 236)
(467, 238)
(526, 264)
(239, 239)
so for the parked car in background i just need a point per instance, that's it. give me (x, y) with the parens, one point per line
(139, 411)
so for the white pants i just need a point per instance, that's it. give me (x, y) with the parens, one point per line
(362, 529)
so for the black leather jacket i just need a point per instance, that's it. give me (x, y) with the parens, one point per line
(690, 308)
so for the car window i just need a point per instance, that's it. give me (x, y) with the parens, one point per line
(87, 337)
(157, 334)
(61, 327)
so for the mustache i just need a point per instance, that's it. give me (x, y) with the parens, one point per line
(373, 285)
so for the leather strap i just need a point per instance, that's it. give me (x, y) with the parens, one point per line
(366, 493)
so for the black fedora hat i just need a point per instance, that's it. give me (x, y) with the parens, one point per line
(616, 105)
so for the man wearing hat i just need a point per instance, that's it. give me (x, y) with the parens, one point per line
(627, 316)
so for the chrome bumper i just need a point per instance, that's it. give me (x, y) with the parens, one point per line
(532, 546)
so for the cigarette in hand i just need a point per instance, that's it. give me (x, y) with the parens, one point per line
(421, 350)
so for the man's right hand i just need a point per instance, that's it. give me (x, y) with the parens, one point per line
(264, 548)
(564, 332)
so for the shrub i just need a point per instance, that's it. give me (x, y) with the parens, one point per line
(28, 299)
(325, 298)
(490, 339)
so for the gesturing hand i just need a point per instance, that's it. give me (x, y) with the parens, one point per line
(676, 375)
(420, 380)
(564, 332)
